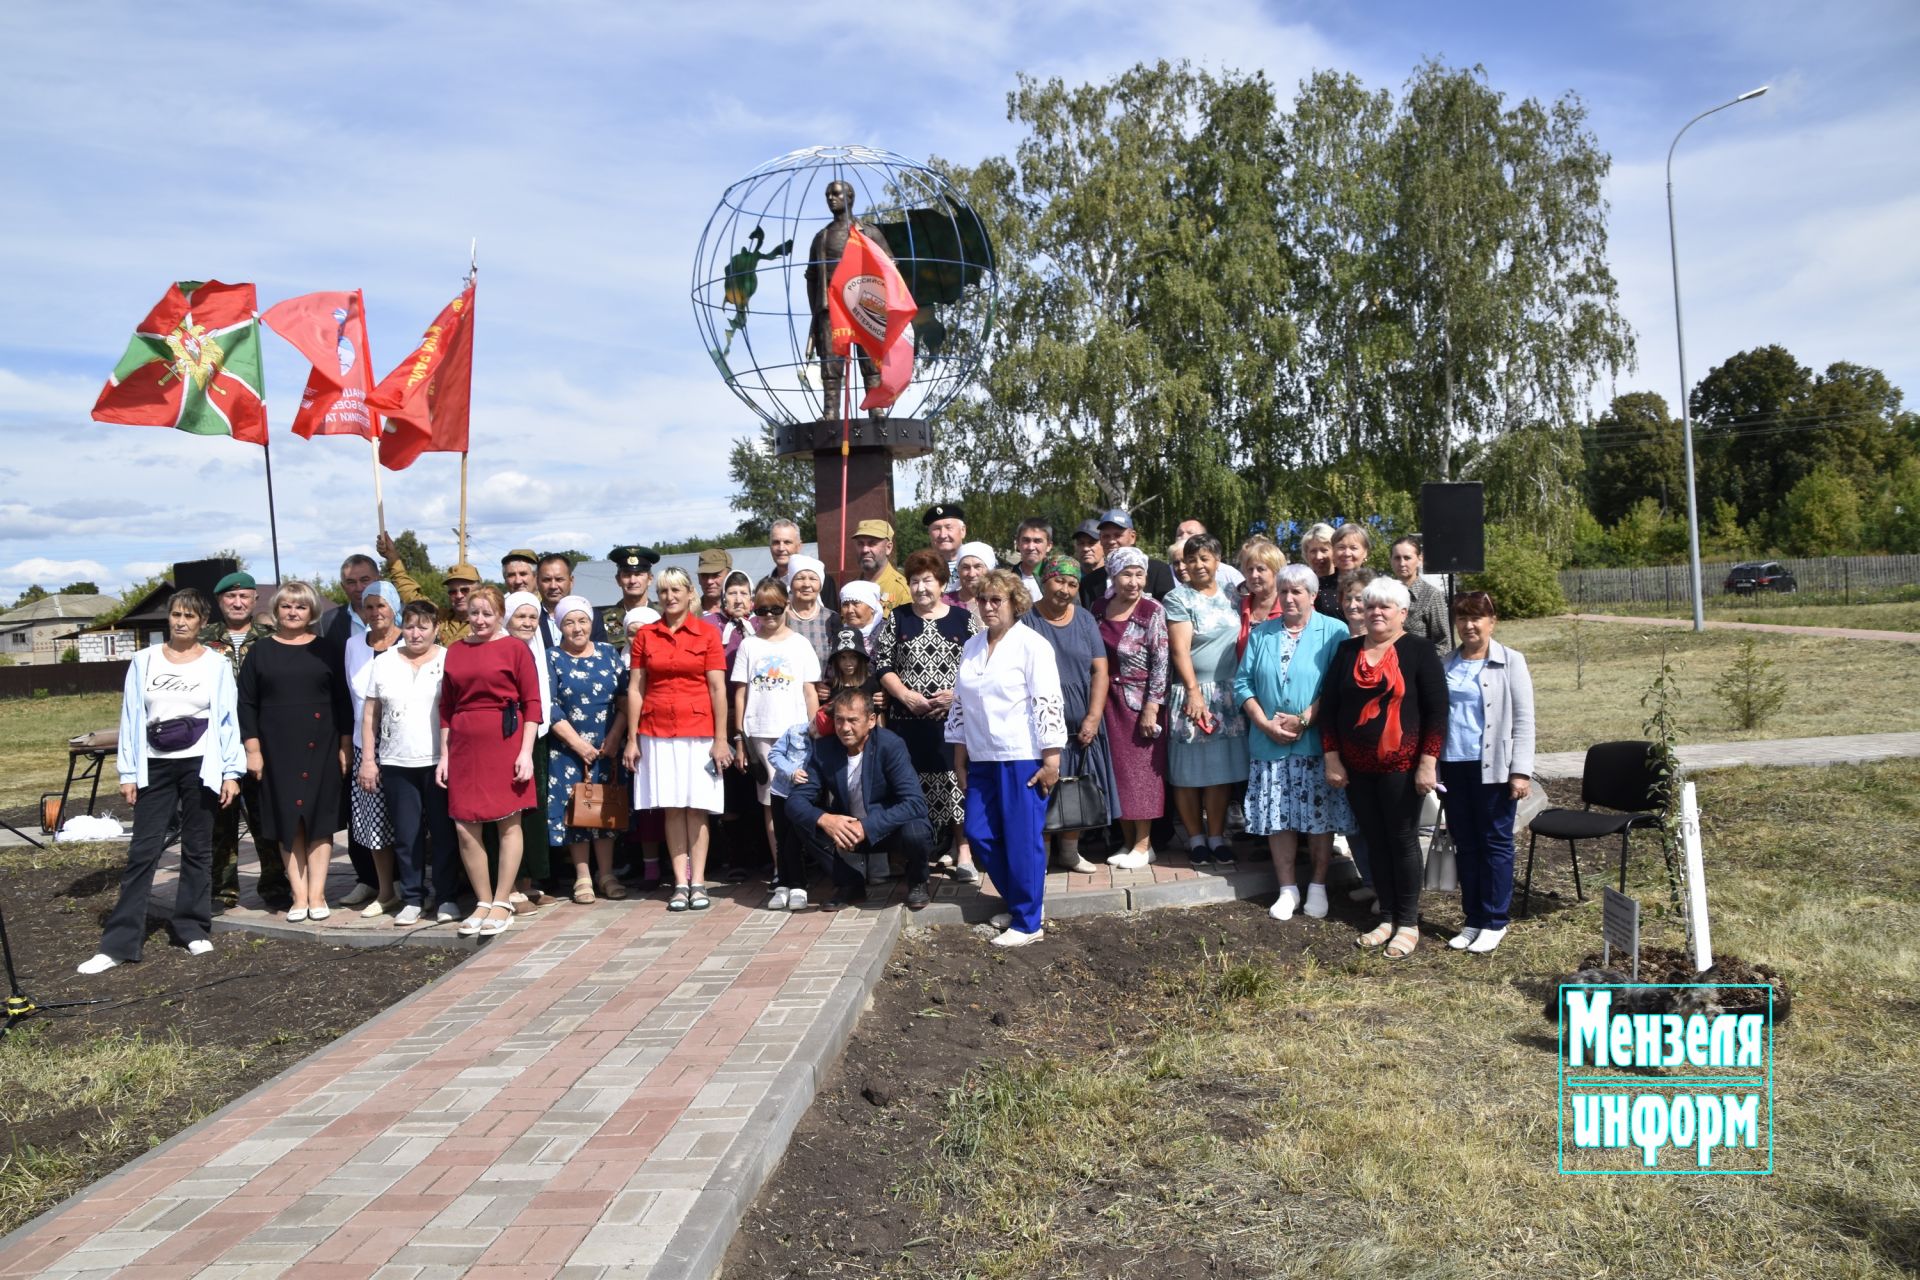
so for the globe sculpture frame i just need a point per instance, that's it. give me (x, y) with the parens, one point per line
(751, 305)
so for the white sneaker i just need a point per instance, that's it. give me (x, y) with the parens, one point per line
(1003, 920)
(1015, 938)
(409, 914)
(200, 947)
(797, 900)
(1463, 939)
(1317, 901)
(1487, 941)
(1285, 905)
(1132, 860)
(320, 912)
(359, 895)
(99, 964)
(781, 900)
(1073, 862)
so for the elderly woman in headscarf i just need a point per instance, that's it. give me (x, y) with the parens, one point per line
(1133, 626)
(523, 623)
(972, 564)
(807, 613)
(587, 678)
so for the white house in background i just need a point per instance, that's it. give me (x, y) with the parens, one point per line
(34, 634)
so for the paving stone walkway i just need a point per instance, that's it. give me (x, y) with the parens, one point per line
(1781, 753)
(1777, 628)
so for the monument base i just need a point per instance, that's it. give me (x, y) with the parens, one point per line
(868, 477)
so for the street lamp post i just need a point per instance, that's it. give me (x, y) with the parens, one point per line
(1680, 338)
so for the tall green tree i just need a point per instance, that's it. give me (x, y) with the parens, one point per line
(1821, 515)
(769, 488)
(1747, 412)
(30, 595)
(1633, 451)
(1471, 282)
(1143, 285)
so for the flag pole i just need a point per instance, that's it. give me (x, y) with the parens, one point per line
(273, 527)
(846, 433)
(379, 501)
(463, 506)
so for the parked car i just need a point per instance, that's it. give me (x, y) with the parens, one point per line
(1759, 575)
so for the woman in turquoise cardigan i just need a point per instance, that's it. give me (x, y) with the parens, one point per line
(1278, 686)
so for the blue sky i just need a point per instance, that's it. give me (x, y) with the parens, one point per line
(354, 144)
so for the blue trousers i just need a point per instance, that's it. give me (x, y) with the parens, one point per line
(1005, 823)
(1480, 816)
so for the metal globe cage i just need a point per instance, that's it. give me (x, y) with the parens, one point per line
(750, 292)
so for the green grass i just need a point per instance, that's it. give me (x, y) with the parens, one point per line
(125, 1081)
(1833, 686)
(33, 742)
(1361, 1119)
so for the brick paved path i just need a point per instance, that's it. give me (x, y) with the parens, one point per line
(604, 1092)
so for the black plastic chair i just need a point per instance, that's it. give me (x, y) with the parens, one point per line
(1618, 776)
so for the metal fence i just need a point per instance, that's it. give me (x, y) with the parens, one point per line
(1842, 579)
(59, 678)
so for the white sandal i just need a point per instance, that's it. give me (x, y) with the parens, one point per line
(493, 928)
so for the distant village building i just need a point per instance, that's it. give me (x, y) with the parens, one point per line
(36, 634)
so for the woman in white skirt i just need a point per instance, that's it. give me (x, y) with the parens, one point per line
(677, 730)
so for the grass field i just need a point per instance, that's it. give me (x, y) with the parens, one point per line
(1833, 686)
(33, 741)
(1353, 1118)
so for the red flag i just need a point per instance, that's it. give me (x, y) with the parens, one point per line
(867, 301)
(330, 330)
(896, 371)
(427, 398)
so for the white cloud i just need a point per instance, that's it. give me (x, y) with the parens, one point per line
(53, 573)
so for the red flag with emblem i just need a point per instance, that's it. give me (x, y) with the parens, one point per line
(867, 301)
(330, 330)
(428, 398)
(193, 364)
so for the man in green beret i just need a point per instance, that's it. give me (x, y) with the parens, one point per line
(234, 633)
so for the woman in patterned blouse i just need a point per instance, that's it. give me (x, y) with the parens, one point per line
(1134, 627)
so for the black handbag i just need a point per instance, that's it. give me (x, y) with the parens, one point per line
(176, 734)
(1076, 804)
(509, 719)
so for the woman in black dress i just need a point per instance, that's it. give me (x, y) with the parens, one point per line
(917, 658)
(297, 722)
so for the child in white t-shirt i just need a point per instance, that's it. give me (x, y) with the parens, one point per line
(774, 675)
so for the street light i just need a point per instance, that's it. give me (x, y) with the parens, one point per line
(1680, 338)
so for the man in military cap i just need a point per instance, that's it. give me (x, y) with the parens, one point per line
(234, 633)
(712, 570)
(460, 580)
(633, 570)
(946, 526)
(517, 570)
(874, 540)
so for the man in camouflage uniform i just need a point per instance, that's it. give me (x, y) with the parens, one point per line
(460, 581)
(234, 633)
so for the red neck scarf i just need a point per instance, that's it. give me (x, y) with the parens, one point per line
(1384, 676)
(1248, 622)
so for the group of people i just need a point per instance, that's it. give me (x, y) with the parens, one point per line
(948, 714)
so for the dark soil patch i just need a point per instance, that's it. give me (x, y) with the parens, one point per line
(949, 1003)
(271, 1002)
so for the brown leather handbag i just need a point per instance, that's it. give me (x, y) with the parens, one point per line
(599, 806)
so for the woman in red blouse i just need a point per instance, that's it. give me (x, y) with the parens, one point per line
(677, 730)
(1382, 721)
(489, 712)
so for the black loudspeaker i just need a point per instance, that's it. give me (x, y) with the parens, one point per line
(201, 575)
(1453, 528)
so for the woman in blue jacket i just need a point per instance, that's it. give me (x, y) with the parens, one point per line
(179, 753)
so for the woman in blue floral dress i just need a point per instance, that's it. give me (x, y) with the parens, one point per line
(588, 677)
(1207, 751)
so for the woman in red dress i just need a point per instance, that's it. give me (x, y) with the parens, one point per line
(489, 712)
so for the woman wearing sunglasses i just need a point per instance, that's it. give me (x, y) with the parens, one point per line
(774, 675)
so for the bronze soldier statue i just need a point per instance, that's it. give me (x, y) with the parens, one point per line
(822, 258)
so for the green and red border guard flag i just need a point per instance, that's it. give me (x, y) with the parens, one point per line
(428, 398)
(330, 330)
(868, 304)
(193, 365)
